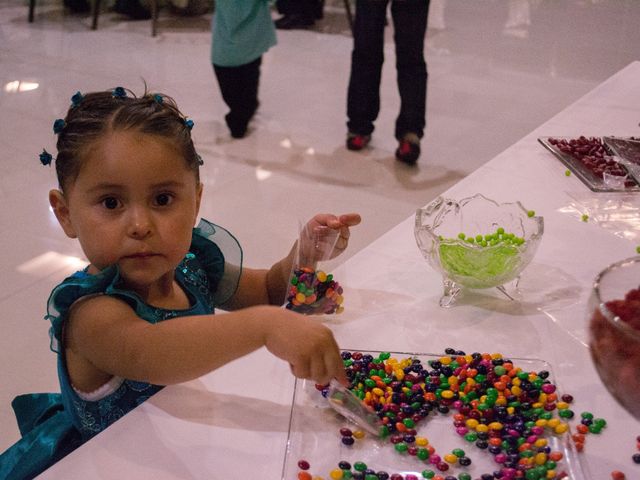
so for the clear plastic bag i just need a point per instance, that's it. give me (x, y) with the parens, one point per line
(312, 289)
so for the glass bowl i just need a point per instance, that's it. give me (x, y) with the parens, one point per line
(614, 309)
(477, 242)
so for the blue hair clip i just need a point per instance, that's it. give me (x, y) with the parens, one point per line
(58, 125)
(158, 98)
(189, 123)
(119, 92)
(77, 99)
(45, 157)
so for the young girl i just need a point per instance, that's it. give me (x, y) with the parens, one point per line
(140, 316)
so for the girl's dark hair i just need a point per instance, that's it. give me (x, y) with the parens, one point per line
(98, 113)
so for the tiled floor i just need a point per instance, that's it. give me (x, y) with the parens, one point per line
(497, 69)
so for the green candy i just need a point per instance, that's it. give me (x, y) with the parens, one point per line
(458, 452)
(423, 454)
(401, 447)
(360, 466)
(428, 474)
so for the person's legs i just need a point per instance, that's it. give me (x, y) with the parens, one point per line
(363, 95)
(410, 24)
(239, 89)
(298, 13)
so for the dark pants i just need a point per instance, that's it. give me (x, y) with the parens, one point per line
(304, 8)
(409, 25)
(239, 88)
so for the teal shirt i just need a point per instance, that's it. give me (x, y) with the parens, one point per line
(242, 31)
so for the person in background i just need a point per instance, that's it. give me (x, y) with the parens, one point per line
(363, 96)
(298, 13)
(241, 33)
(141, 314)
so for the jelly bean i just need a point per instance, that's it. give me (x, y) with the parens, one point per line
(304, 476)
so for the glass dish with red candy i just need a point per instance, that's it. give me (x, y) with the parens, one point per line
(614, 307)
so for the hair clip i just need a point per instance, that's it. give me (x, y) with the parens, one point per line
(188, 123)
(58, 126)
(119, 92)
(158, 98)
(76, 99)
(200, 161)
(45, 157)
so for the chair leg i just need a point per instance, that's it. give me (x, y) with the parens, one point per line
(347, 7)
(32, 6)
(96, 12)
(154, 17)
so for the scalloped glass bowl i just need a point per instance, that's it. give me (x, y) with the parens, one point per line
(491, 259)
(615, 343)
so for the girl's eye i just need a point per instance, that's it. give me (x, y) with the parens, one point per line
(163, 199)
(110, 203)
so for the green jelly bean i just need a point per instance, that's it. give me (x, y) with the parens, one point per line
(422, 454)
(587, 415)
(458, 452)
(471, 437)
(409, 423)
(401, 447)
(600, 422)
(464, 476)
(428, 474)
(360, 466)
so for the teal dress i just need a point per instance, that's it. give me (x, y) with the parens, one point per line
(242, 31)
(53, 425)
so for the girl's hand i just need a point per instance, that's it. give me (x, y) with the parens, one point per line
(326, 236)
(307, 345)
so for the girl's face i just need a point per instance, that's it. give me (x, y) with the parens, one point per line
(134, 203)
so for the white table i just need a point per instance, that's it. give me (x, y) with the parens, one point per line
(233, 423)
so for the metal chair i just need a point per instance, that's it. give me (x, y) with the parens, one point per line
(95, 11)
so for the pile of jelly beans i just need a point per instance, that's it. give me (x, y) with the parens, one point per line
(495, 405)
(314, 292)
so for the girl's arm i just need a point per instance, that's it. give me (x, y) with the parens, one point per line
(325, 236)
(107, 333)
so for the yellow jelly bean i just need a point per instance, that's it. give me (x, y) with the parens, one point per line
(511, 410)
(447, 394)
(540, 458)
(541, 442)
(562, 405)
(472, 423)
(336, 474)
(445, 360)
(537, 405)
(482, 428)
(562, 428)
(321, 276)
(450, 458)
(516, 390)
(541, 423)
(551, 474)
(300, 297)
(495, 426)
(377, 391)
(553, 423)
(358, 434)
(422, 441)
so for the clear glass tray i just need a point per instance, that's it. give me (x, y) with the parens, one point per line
(314, 436)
